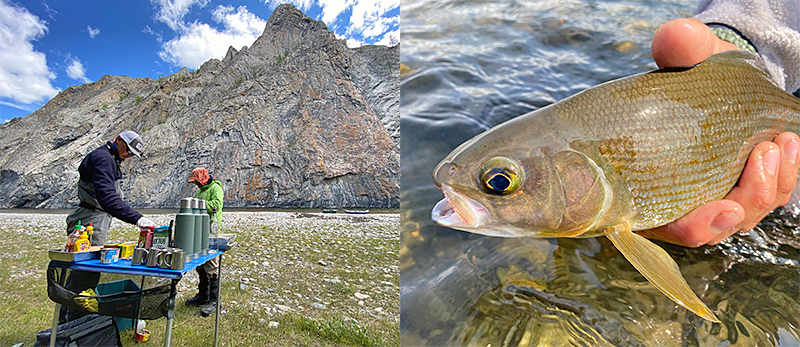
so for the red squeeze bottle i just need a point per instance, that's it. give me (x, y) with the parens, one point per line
(146, 237)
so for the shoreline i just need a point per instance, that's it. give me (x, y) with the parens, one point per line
(152, 211)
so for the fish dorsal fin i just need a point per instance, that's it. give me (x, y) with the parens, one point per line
(658, 267)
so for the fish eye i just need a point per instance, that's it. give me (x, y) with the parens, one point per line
(500, 176)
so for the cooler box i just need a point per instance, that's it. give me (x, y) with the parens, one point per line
(115, 287)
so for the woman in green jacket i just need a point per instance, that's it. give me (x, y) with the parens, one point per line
(209, 190)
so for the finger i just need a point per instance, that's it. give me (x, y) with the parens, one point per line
(757, 185)
(787, 171)
(685, 42)
(700, 226)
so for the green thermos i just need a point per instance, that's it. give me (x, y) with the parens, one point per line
(184, 228)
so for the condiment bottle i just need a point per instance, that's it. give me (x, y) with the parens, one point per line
(145, 237)
(76, 233)
(82, 244)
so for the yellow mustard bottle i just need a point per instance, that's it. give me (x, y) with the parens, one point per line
(82, 244)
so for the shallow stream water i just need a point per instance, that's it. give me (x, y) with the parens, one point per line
(469, 65)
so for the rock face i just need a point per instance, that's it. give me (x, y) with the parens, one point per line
(296, 120)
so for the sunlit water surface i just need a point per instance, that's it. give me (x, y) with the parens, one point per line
(469, 65)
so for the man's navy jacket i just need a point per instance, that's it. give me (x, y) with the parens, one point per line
(100, 169)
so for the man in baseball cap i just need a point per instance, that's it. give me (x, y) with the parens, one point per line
(133, 141)
(101, 200)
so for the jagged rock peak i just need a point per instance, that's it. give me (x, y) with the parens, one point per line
(287, 29)
(296, 120)
(232, 52)
(288, 18)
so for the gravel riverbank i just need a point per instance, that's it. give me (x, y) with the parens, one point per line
(341, 267)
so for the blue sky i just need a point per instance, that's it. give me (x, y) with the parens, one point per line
(47, 46)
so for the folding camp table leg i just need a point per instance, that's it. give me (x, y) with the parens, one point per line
(170, 312)
(138, 310)
(219, 302)
(54, 330)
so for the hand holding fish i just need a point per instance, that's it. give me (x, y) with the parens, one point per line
(771, 171)
(698, 146)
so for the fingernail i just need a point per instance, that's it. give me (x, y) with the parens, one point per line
(724, 222)
(771, 161)
(791, 151)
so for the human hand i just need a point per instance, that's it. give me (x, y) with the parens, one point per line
(769, 175)
(144, 222)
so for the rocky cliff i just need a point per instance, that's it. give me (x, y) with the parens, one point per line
(296, 120)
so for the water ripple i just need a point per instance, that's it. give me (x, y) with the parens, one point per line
(474, 64)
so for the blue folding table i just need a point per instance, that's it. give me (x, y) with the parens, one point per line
(124, 267)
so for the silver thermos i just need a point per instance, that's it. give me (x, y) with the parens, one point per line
(206, 228)
(198, 228)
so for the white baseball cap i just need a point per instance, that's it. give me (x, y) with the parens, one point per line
(133, 141)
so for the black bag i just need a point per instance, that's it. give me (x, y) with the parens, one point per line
(91, 330)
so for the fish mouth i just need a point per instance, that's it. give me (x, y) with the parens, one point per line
(459, 212)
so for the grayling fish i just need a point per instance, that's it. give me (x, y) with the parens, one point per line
(630, 154)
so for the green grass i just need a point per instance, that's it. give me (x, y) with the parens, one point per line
(338, 331)
(360, 258)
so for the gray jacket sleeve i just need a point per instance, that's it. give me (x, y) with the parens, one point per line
(772, 26)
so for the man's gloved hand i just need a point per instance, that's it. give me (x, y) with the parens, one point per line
(144, 222)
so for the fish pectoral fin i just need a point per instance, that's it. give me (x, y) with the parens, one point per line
(658, 267)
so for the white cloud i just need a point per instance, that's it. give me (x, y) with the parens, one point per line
(148, 30)
(24, 107)
(302, 5)
(352, 43)
(50, 12)
(332, 9)
(198, 42)
(239, 23)
(76, 71)
(92, 31)
(171, 12)
(387, 39)
(24, 75)
(366, 18)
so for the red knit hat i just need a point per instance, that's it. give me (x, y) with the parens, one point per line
(200, 175)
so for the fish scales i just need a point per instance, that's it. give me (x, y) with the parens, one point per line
(630, 154)
(710, 117)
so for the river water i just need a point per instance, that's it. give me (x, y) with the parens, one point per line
(469, 65)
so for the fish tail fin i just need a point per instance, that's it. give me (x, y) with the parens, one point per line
(658, 267)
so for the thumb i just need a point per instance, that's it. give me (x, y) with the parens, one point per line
(685, 42)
